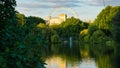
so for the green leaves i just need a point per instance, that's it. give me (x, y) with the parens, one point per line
(21, 45)
(55, 38)
(32, 20)
(2, 62)
(71, 27)
(108, 21)
(7, 12)
(20, 18)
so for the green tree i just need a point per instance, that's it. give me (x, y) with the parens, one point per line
(98, 37)
(7, 12)
(84, 35)
(55, 38)
(14, 52)
(34, 20)
(116, 23)
(71, 27)
(105, 61)
(103, 19)
(20, 18)
(108, 21)
(7, 15)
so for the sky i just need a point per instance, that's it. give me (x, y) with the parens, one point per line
(82, 9)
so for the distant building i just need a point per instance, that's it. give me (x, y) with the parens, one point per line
(56, 20)
(87, 20)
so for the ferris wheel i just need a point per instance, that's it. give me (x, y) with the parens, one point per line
(64, 8)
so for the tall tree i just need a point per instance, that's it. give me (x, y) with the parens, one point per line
(34, 20)
(7, 12)
(20, 18)
(108, 20)
(71, 27)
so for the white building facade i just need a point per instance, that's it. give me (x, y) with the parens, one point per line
(56, 20)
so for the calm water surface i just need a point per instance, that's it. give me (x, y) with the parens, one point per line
(58, 62)
(65, 56)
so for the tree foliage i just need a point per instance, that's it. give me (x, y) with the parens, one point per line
(72, 26)
(20, 18)
(108, 21)
(34, 20)
(15, 50)
(7, 12)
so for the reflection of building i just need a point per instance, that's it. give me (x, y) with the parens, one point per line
(56, 62)
(56, 20)
(60, 62)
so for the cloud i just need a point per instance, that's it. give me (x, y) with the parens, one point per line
(48, 4)
(101, 2)
(65, 3)
(33, 5)
(88, 2)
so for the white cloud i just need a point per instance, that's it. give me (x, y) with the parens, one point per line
(48, 4)
(68, 3)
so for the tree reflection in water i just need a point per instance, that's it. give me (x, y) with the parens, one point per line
(77, 56)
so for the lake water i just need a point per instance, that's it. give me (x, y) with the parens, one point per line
(65, 56)
(58, 62)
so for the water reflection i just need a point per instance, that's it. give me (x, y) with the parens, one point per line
(105, 61)
(59, 62)
(87, 63)
(56, 62)
(65, 56)
(77, 56)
